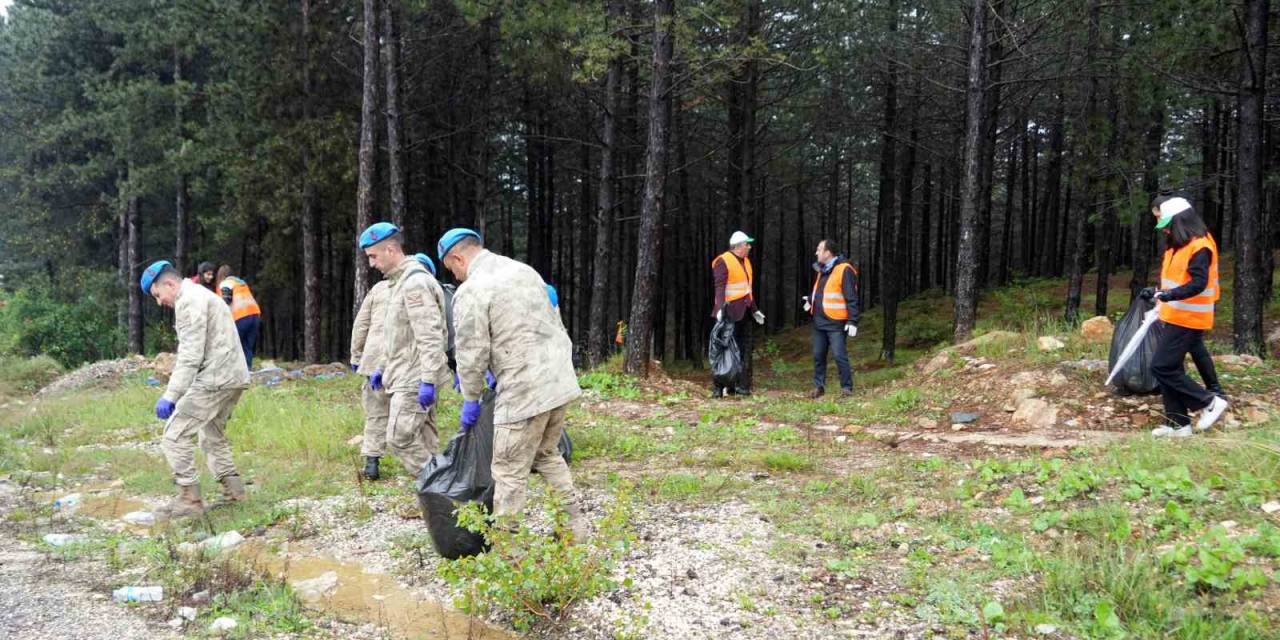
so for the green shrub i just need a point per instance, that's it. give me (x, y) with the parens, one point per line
(536, 577)
(72, 321)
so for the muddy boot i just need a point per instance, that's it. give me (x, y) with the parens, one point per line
(817, 393)
(371, 468)
(185, 505)
(232, 490)
(577, 523)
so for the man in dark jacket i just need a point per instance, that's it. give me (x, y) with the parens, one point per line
(834, 306)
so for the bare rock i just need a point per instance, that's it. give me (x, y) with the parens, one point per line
(163, 364)
(1239, 361)
(1025, 379)
(986, 339)
(1022, 394)
(1035, 412)
(316, 588)
(1097, 329)
(936, 364)
(1050, 344)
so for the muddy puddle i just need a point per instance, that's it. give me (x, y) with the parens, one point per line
(110, 507)
(345, 590)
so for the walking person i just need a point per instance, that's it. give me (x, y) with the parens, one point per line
(208, 377)
(1189, 289)
(244, 310)
(834, 306)
(505, 323)
(734, 299)
(412, 363)
(367, 339)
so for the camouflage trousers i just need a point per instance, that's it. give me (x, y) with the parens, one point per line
(521, 447)
(411, 430)
(200, 416)
(377, 405)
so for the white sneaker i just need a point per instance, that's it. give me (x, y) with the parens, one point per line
(1211, 413)
(1167, 431)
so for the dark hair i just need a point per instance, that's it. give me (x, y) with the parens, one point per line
(224, 272)
(1185, 227)
(831, 246)
(206, 266)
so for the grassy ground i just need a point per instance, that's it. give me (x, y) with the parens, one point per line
(1133, 538)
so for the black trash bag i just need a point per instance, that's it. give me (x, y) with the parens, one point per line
(726, 360)
(462, 473)
(450, 540)
(1135, 376)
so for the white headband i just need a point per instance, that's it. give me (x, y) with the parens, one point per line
(1173, 206)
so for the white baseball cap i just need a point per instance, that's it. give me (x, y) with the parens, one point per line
(738, 238)
(1170, 208)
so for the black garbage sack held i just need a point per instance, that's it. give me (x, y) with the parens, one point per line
(462, 473)
(1135, 375)
(726, 361)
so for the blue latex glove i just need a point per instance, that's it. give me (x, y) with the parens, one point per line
(457, 383)
(164, 409)
(492, 381)
(375, 381)
(470, 414)
(426, 394)
(354, 367)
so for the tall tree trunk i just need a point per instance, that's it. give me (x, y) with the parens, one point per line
(395, 146)
(966, 309)
(886, 208)
(134, 229)
(367, 157)
(1093, 151)
(599, 332)
(649, 241)
(311, 301)
(182, 199)
(1051, 214)
(1251, 281)
(926, 220)
(1210, 147)
(987, 162)
(1108, 229)
(741, 121)
(1010, 185)
(1144, 249)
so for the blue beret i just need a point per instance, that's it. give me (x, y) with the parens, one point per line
(377, 232)
(451, 237)
(150, 273)
(426, 262)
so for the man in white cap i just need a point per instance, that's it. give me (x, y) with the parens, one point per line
(734, 280)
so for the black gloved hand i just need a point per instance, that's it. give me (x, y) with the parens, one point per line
(1148, 293)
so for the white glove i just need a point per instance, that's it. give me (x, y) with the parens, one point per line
(719, 314)
(759, 317)
(805, 300)
(851, 330)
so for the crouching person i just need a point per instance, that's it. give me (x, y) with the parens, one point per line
(208, 378)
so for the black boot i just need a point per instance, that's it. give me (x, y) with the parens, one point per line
(371, 467)
(742, 391)
(717, 392)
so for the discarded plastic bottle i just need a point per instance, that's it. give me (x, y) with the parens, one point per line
(62, 539)
(69, 500)
(138, 594)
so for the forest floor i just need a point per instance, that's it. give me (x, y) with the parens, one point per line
(1047, 512)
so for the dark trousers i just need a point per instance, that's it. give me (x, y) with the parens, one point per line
(1204, 364)
(742, 336)
(1181, 394)
(834, 341)
(247, 327)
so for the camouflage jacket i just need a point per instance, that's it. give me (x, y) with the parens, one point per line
(209, 354)
(367, 332)
(415, 335)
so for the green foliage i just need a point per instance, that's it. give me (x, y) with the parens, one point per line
(610, 385)
(536, 577)
(64, 321)
(1217, 561)
(26, 375)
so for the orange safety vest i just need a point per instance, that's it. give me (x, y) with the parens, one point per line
(242, 303)
(740, 276)
(1195, 312)
(833, 302)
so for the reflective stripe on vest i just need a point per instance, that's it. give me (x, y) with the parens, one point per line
(740, 276)
(243, 303)
(834, 305)
(1197, 311)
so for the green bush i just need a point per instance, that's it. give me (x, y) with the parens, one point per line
(73, 320)
(536, 577)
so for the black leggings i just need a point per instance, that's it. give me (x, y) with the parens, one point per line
(1204, 364)
(1181, 394)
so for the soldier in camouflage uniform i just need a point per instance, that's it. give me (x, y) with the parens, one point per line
(504, 322)
(367, 339)
(208, 378)
(413, 361)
